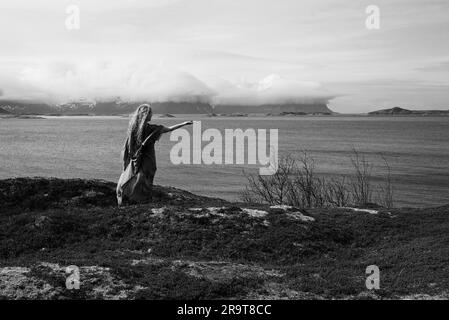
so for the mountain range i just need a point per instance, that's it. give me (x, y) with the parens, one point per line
(306, 108)
(116, 107)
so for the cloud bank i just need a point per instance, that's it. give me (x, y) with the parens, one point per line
(210, 45)
(272, 89)
(68, 81)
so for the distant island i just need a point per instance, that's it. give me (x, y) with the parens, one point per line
(397, 111)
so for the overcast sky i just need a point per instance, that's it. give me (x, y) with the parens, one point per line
(253, 50)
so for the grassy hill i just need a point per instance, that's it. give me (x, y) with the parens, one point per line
(192, 247)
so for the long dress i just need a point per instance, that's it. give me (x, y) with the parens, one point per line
(136, 181)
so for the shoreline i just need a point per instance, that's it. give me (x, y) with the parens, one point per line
(218, 116)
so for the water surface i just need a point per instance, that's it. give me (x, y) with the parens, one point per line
(417, 149)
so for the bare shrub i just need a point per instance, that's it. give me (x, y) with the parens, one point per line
(362, 188)
(303, 183)
(296, 183)
(386, 191)
(338, 192)
(272, 189)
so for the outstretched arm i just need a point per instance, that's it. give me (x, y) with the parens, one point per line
(176, 126)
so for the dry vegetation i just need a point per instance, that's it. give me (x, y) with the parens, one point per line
(297, 183)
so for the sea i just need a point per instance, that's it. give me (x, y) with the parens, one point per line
(416, 149)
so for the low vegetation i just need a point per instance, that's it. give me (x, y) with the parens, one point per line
(297, 183)
(193, 247)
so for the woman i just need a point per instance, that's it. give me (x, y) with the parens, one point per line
(139, 158)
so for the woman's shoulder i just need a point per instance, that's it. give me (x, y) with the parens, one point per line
(151, 128)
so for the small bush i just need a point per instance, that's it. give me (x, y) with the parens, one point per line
(296, 183)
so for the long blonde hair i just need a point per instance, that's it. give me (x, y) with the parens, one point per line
(136, 130)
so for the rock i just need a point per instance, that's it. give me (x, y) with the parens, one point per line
(42, 221)
(16, 283)
(217, 271)
(214, 210)
(280, 208)
(370, 211)
(158, 212)
(255, 213)
(92, 194)
(299, 216)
